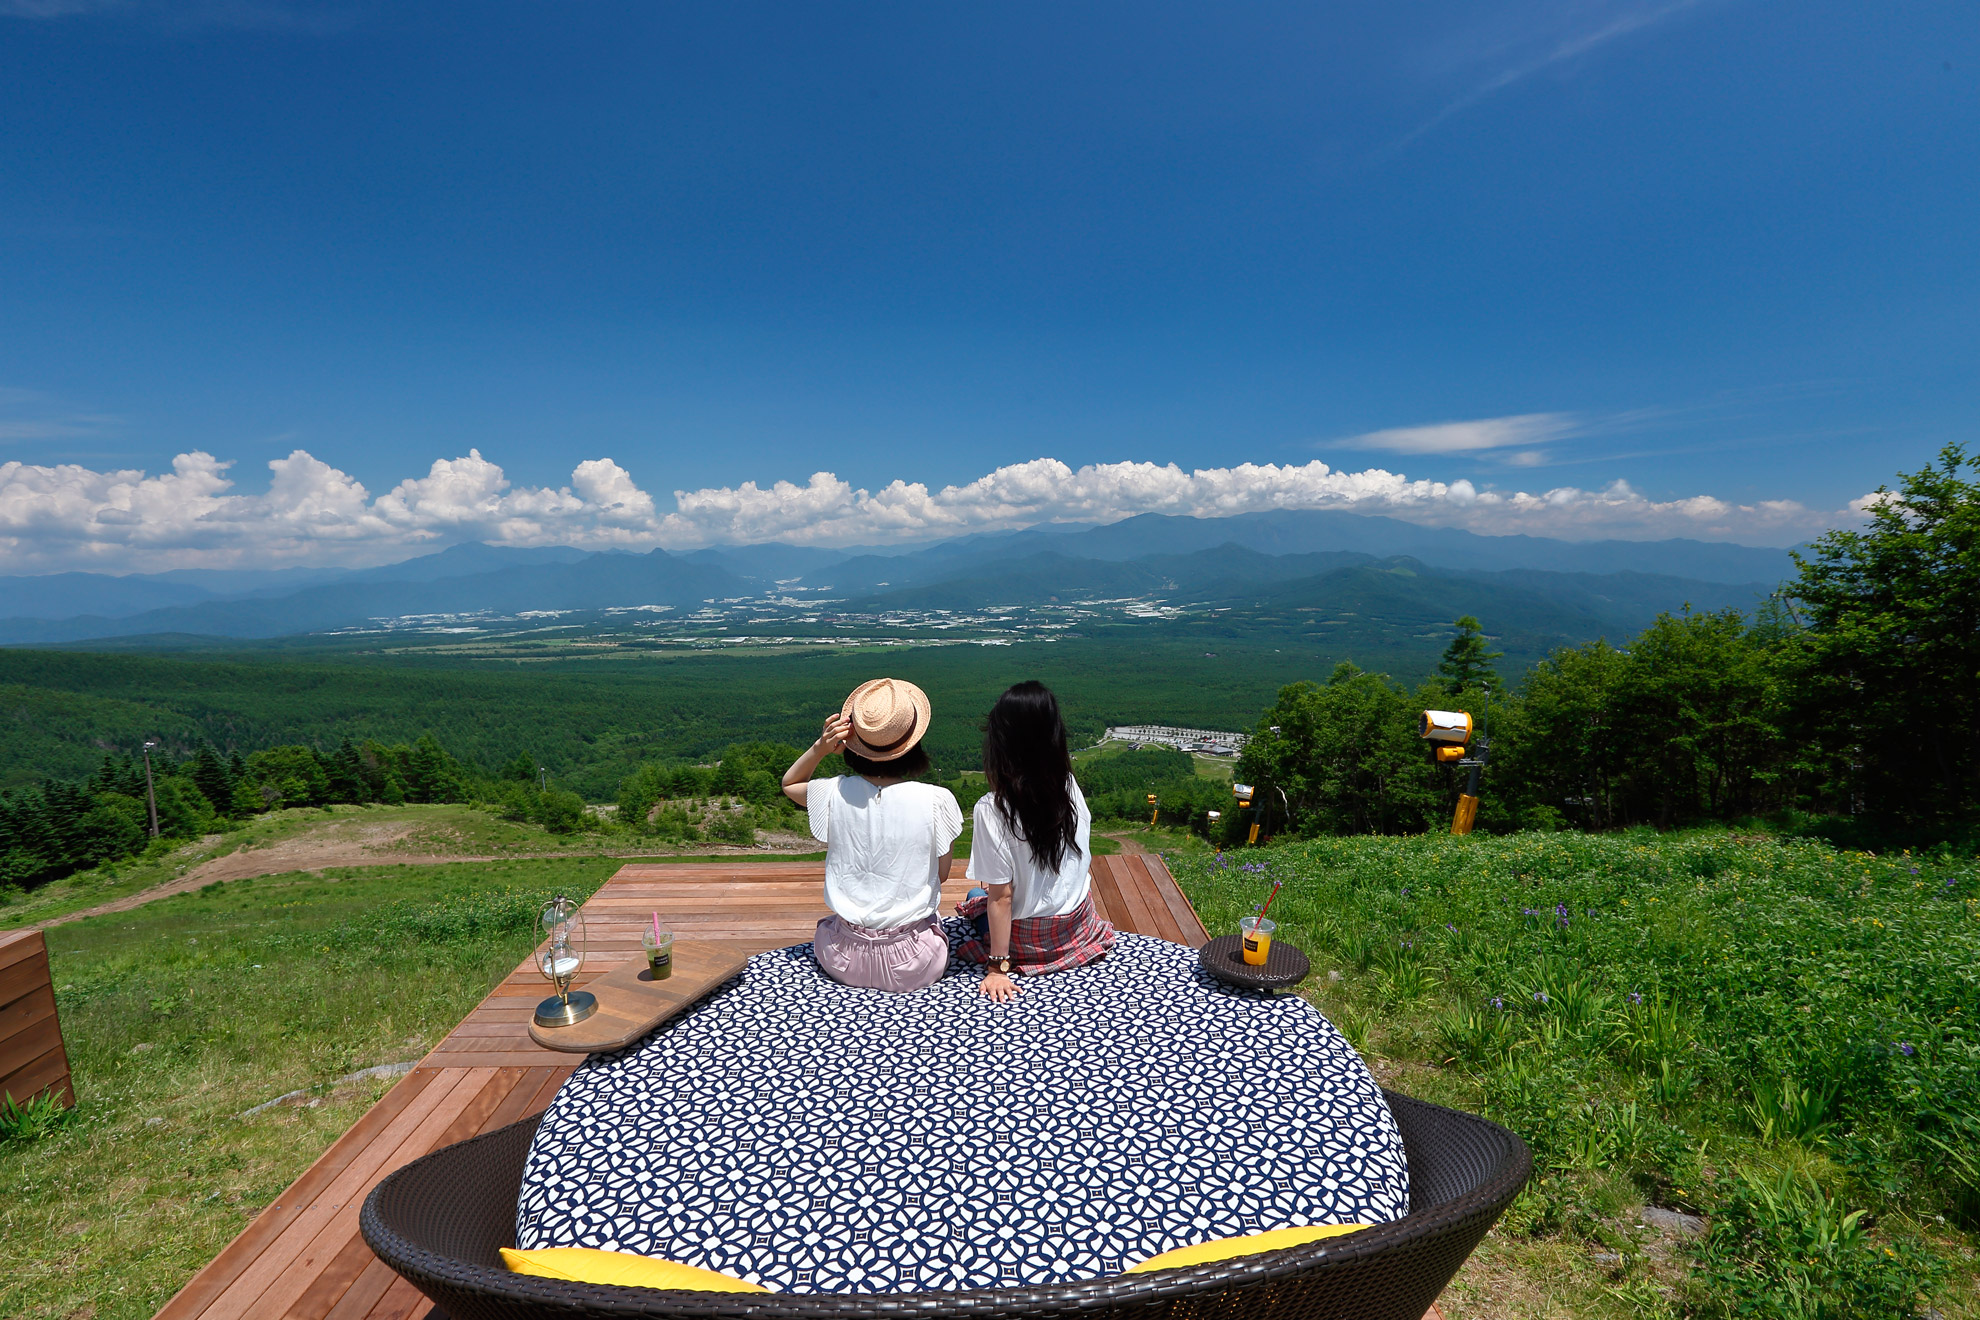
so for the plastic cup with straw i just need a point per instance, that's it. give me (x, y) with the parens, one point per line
(1258, 930)
(658, 941)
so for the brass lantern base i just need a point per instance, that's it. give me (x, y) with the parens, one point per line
(554, 1012)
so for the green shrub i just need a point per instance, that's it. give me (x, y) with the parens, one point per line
(560, 811)
(732, 827)
(39, 1117)
(1783, 1248)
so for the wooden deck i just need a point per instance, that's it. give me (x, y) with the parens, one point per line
(302, 1258)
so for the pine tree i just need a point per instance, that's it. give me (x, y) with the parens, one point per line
(430, 773)
(1466, 662)
(209, 774)
(346, 773)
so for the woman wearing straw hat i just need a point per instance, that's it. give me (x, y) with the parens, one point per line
(887, 840)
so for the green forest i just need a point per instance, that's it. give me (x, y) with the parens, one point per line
(590, 723)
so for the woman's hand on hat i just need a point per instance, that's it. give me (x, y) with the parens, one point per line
(837, 729)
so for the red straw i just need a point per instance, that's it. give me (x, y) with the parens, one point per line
(1268, 899)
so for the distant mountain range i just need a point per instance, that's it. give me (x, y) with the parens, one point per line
(1283, 563)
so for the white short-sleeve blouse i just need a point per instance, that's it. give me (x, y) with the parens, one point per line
(999, 855)
(882, 846)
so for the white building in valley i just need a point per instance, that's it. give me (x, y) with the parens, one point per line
(1212, 742)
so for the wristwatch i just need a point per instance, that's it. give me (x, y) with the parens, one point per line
(1000, 962)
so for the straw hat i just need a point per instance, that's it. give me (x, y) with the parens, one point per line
(888, 716)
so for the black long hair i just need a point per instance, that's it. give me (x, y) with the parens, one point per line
(1029, 769)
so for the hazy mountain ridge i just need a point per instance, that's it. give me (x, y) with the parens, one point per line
(593, 582)
(1556, 606)
(1252, 560)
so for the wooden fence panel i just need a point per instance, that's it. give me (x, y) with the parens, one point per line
(33, 1060)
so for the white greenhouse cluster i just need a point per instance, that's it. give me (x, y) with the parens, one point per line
(1215, 742)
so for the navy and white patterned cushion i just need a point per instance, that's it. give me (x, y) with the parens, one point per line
(813, 1137)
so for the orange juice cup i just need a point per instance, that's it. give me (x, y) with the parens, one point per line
(1257, 939)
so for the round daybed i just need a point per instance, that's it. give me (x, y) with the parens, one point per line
(442, 1220)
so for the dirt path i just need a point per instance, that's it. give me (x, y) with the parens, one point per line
(1131, 847)
(353, 843)
(334, 844)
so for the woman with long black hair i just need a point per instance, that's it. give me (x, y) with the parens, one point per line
(1033, 912)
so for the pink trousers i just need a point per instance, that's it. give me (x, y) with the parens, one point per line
(904, 958)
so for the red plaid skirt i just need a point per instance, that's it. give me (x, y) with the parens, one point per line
(1045, 944)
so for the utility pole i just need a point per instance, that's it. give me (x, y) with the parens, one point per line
(150, 795)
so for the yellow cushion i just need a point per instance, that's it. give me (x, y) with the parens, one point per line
(584, 1265)
(1203, 1253)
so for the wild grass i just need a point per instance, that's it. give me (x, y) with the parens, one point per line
(1773, 1034)
(182, 1014)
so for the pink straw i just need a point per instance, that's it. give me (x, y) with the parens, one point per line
(656, 928)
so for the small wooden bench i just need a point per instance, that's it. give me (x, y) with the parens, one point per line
(33, 1060)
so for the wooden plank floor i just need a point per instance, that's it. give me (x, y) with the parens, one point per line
(302, 1258)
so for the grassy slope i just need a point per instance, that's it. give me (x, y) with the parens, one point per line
(427, 831)
(181, 1014)
(1774, 958)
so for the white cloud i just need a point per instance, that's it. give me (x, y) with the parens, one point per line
(68, 516)
(1466, 437)
(1519, 41)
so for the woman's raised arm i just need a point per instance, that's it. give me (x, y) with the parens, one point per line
(797, 779)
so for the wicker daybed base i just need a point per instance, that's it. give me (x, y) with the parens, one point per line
(440, 1221)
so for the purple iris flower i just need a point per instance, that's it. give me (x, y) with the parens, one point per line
(1636, 996)
(1498, 1002)
(1904, 1048)
(1540, 997)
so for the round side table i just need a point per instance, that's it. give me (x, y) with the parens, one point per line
(1223, 958)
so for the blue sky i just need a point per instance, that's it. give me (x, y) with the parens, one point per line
(1719, 251)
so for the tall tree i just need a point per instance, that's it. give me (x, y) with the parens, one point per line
(345, 772)
(209, 772)
(1691, 715)
(1467, 661)
(1346, 755)
(431, 775)
(1888, 663)
(1557, 752)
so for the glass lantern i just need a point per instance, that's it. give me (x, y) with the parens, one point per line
(559, 958)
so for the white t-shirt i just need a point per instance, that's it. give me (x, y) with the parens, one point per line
(881, 847)
(999, 855)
